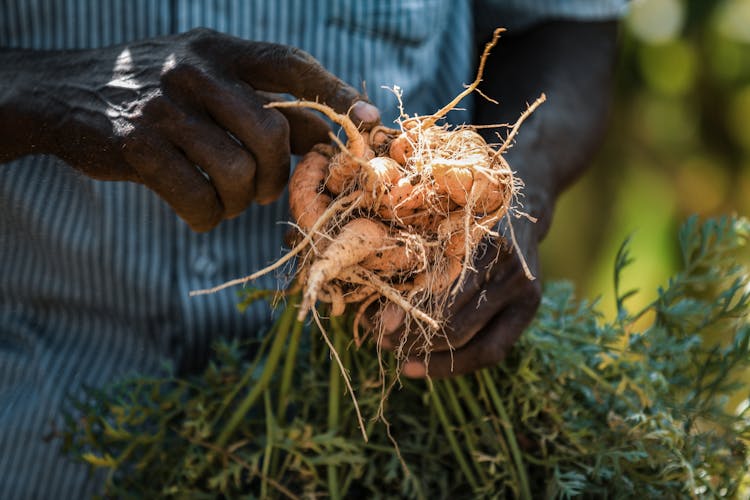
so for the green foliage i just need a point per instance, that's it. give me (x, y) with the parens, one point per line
(633, 406)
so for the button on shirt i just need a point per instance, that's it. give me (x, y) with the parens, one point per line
(94, 276)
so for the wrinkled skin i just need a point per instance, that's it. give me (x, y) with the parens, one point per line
(182, 115)
(572, 63)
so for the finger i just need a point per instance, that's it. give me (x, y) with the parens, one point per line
(462, 326)
(306, 128)
(480, 299)
(264, 132)
(230, 167)
(496, 263)
(285, 69)
(165, 170)
(392, 318)
(501, 290)
(282, 69)
(486, 349)
(391, 321)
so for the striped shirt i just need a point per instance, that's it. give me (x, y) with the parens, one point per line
(94, 276)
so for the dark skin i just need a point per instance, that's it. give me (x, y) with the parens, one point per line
(184, 116)
(572, 63)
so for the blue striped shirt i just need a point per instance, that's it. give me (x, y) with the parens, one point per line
(94, 275)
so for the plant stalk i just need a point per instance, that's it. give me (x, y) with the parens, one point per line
(452, 441)
(287, 374)
(334, 405)
(471, 442)
(269, 370)
(509, 434)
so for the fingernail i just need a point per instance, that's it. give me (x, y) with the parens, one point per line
(391, 318)
(365, 112)
(414, 369)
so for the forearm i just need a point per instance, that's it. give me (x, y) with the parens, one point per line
(572, 63)
(20, 103)
(50, 103)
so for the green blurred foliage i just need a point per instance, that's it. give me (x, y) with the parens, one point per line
(585, 406)
(678, 144)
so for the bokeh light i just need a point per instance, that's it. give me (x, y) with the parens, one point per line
(668, 68)
(678, 144)
(733, 19)
(655, 21)
(738, 117)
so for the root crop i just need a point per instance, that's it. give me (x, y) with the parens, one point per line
(396, 215)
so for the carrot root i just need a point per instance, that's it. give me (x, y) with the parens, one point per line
(397, 215)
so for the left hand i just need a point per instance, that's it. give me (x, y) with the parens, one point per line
(490, 312)
(571, 62)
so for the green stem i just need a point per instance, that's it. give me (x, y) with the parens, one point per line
(432, 431)
(281, 325)
(603, 384)
(452, 441)
(468, 398)
(269, 445)
(265, 377)
(509, 434)
(334, 405)
(287, 374)
(490, 426)
(346, 359)
(468, 433)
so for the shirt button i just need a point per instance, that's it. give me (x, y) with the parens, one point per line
(205, 265)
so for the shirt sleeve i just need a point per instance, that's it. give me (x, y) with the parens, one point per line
(521, 14)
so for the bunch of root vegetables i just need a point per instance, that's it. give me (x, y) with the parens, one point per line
(396, 216)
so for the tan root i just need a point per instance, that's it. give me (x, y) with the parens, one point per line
(395, 216)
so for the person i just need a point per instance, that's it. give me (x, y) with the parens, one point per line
(168, 97)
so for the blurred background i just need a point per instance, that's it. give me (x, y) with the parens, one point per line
(678, 144)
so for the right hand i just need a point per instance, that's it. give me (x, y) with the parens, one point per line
(182, 115)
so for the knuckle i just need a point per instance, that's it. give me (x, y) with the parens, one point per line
(182, 72)
(315, 85)
(237, 186)
(160, 115)
(241, 186)
(128, 139)
(147, 171)
(241, 169)
(201, 35)
(309, 73)
(275, 128)
(136, 149)
(273, 155)
(158, 107)
(297, 53)
(290, 55)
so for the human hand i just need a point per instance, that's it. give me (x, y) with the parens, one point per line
(572, 63)
(484, 320)
(183, 115)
